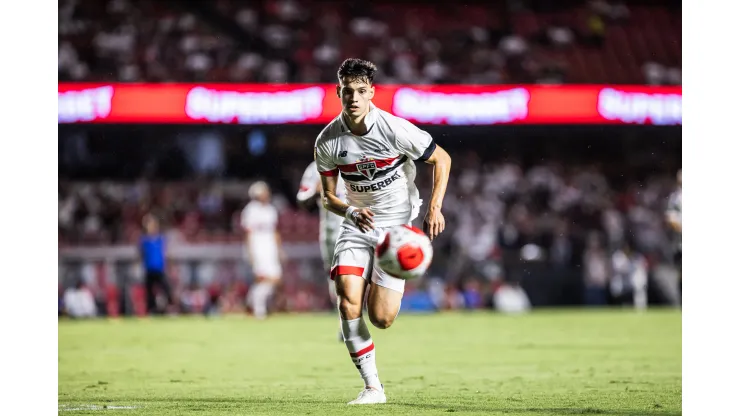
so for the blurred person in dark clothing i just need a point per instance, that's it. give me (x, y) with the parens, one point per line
(153, 252)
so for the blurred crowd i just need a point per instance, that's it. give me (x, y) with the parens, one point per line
(503, 219)
(111, 212)
(277, 41)
(500, 215)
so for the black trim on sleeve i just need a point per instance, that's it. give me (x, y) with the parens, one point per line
(428, 153)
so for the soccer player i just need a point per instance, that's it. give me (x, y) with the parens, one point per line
(308, 193)
(673, 217)
(374, 152)
(263, 247)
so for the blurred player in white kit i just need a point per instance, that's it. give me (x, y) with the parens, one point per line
(673, 217)
(308, 193)
(374, 152)
(263, 247)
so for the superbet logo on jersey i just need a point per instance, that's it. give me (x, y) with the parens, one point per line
(377, 186)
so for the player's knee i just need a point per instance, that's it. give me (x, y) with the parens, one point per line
(382, 320)
(349, 308)
(349, 294)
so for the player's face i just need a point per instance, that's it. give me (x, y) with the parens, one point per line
(152, 226)
(355, 95)
(264, 197)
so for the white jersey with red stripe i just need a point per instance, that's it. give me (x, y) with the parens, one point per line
(377, 167)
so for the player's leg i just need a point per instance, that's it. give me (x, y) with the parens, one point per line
(273, 272)
(352, 264)
(334, 299)
(263, 291)
(383, 305)
(268, 273)
(164, 283)
(327, 254)
(151, 301)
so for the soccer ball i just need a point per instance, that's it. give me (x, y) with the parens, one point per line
(404, 252)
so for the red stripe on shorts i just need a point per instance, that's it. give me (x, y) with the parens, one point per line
(353, 270)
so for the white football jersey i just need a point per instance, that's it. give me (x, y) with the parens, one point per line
(674, 204)
(329, 222)
(674, 211)
(378, 167)
(261, 221)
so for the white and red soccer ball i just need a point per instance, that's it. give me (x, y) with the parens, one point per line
(404, 252)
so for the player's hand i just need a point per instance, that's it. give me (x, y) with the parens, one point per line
(364, 219)
(434, 223)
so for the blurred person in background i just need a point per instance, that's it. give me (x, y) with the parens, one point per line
(153, 257)
(673, 217)
(78, 301)
(308, 193)
(630, 277)
(510, 298)
(263, 247)
(595, 272)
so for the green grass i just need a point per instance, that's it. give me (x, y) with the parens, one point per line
(546, 363)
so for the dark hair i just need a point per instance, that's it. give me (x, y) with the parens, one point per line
(357, 69)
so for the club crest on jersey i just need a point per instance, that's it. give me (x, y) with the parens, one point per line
(367, 169)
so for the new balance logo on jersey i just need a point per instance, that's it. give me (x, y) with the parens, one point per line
(376, 186)
(367, 169)
(343, 153)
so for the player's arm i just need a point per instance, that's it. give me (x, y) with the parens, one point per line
(674, 220)
(434, 220)
(361, 217)
(306, 199)
(419, 145)
(310, 188)
(279, 243)
(247, 235)
(329, 172)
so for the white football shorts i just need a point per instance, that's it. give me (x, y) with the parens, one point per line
(354, 254)
(267, 268)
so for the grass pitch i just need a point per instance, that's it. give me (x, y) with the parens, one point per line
(547, 363)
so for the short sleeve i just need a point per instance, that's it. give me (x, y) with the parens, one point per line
(324, 161)
(413, 141)
(309, 181)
